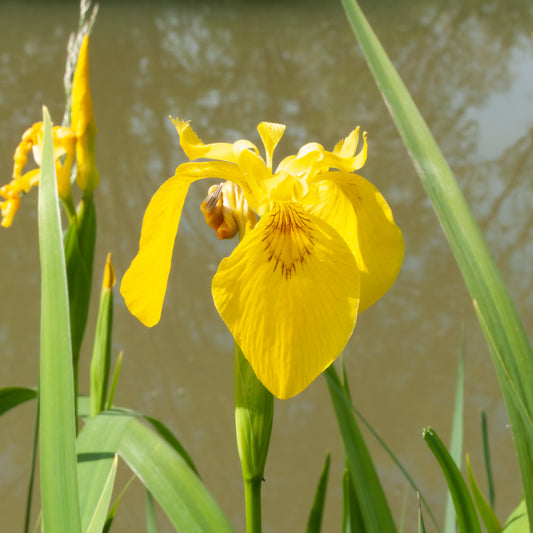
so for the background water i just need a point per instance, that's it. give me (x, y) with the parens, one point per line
(227, 66)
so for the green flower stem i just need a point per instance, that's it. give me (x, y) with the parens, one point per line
(254, 413)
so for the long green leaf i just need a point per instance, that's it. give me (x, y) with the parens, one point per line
(177, 489)
(421, 525)
(99, 517)
(165, 473)
(485, 510)
(456, 441)
(59, 485)
(510, 349)
(518, 520)
(486, 459)
(79, 252)
(396, 461)
(151, 524)
(374, 507)
(101, 358)
(97, 447)
(314, 524)
(12, 396)
(352, 519)
(467, 519)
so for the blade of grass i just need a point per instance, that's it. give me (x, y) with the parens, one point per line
(485, 511)
(510, 349)
(314, 524)
(352, 519)
(456, 441)
(374, 507)
(151, 525)
(59, 484)
(101, 358)
(467, 520)
(99, 516)
(114, 381)
(12, 396)
(486, 459)
(421, 526)
(79, 254)
(97, 446)
(383, 444)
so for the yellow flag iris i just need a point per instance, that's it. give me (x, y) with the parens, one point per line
(68, 142)
(325, 248)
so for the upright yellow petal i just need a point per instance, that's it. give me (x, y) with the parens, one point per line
(289, 294)
(144, 283)
(194, 148)
(358, 211)
(82, 122)
(271, 134)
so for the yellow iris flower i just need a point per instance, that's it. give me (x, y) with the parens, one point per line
(325, 248)
(68, 142)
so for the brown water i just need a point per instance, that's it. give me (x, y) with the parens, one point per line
(227, 66)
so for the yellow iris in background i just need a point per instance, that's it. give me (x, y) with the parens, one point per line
(76, 141)
(325, 248)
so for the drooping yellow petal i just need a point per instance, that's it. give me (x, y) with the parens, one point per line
(144, 283)
(289, 294)
(271, 134)
(358, 211)
(82, 122)
(8, 208)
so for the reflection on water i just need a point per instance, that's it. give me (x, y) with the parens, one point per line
(227, 66)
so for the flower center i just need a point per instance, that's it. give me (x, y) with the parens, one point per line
(289, 238)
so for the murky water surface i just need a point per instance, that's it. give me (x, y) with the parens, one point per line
(227, 66)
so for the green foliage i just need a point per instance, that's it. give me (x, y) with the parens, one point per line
(511, 352)
(151, 525)
(176, 487)
(101, 359)
(486, 459)
(12, 396)
(59, 485)
(467, 520)
(371, 500)
(492, 524)
(314, 524)
(79, 252)
(518, 520)
(456, 441)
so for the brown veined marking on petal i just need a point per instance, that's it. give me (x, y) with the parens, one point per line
(289, 238)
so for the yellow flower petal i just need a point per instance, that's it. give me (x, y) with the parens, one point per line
(271, 134)
(358, 211)
(289, 294)
(82, 122)
(194, 148)
(82, 104)
(144, 283)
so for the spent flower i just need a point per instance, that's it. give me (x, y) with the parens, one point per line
(325, 248)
